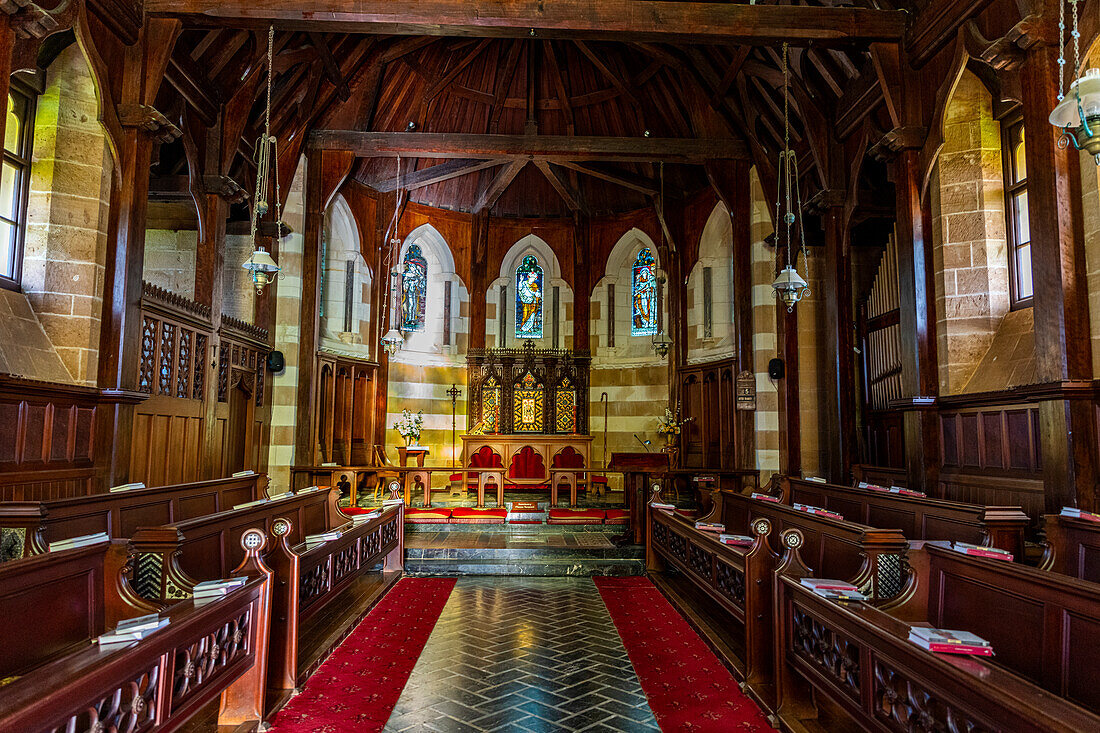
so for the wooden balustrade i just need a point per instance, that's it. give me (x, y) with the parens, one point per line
(170, 559)
(219, 648)
(1072, 547)
(31, 526)
(918, 517)
(854, 662)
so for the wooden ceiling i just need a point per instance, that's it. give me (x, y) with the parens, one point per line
(490, 91)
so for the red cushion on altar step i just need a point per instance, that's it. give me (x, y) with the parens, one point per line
(617, 516)
(576, 516)
(599, 479)
(427, 516)
(478, 516)
(456, 477)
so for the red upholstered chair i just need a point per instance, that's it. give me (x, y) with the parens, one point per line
(527, 470)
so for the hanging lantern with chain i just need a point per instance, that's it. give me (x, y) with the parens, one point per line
(788, 284)
(1078, 112)
(392, 341)
(260, 264)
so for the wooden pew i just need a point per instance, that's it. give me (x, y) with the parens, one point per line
(879, 475)
(37, 627)
(860, 666)
(308, 580)
(918, 517)
(866, 556)
(737, 579)
(219, 648)
(1072, 547)
(169, 559)
(119, 514)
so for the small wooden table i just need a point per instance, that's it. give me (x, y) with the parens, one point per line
(571, 476)
(413, 477)
(419, 452)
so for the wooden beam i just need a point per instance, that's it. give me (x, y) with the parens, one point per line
(441, 83)
(438, 173)
(332, 69)
(638, 184)
(571, 197)
(634, 20)
(498, 185)
(611, 76)
(528, 147)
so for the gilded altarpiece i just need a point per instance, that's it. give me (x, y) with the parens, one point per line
(528, 391)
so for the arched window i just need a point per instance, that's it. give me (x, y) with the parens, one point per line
(643, 303)
(529, 299)
(414, 290)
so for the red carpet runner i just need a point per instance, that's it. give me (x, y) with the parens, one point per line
(687, 687)
(358, 686)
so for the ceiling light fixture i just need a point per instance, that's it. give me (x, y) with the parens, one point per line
(393, 341)
(1078, 112)
(789, 285)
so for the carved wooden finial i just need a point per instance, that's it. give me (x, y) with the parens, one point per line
(253, 541)
(395, 489)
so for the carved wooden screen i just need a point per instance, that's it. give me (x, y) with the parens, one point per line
(173, 346)
(528, 390)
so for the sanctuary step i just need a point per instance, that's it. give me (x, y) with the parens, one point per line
(544, 551)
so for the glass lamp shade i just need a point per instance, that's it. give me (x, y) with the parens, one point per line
(661, 344)
(391, 342)
(1079, 112)
(261, 267)
(790, 287)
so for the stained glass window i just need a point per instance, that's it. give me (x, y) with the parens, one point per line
(414, 290)
(529, 299)
(643, 303)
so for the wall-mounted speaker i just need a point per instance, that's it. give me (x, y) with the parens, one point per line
(275, 361)
(776, 369)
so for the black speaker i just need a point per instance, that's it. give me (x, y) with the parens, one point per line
(275, 361)
(776, 369)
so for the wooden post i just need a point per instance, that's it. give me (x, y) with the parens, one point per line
(582, 285)
(283, 647)
(305, 434)
(479, 277)
(840, 395)
(243, 701)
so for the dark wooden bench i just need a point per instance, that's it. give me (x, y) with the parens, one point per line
(844, 664)
(38, 627)
(32, 525)
(316, 577)
(879, 475)
(918, 517)
(1072, 547)
(218, 649)
(168, 560)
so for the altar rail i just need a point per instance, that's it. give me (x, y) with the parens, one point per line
(859, 659)
(157, 683)
(918, 517)
(33, 525)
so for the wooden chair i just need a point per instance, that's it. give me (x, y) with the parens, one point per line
(380, 460)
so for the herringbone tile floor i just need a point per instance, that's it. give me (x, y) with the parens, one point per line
(523, 654)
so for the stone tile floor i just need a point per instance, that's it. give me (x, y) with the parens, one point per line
(490, 540)
(523, 654)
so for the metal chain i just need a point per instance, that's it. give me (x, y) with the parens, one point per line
(1061, 50)
(270, 73)
(1076, 40)
(787, 154)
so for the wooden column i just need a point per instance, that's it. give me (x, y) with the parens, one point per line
(1062, 334)
(582, 286)
(479, 278)
(840, 392)
(308, 326)
(730, 180)
(918, 339)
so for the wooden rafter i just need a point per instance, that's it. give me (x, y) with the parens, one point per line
(570, 195)
(438, 173)
(332, 69)
(625, 180)
(498, 184)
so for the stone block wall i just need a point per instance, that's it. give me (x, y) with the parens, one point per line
(715, 253)
(170, 260)
(764, 333)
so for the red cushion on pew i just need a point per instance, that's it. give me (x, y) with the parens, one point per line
(478, 516)
(599, 479)
(427, 516)
(456, 477)
(617, 516)
(576, 516)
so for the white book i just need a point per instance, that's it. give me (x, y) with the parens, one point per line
(360, 518)
(81, 541)
(309, 490)
(138, 623)
(815, 479)
(280, 495)
(323, 536)
(248, 504)
(658, 505)
(241, 474)
(222, 584)
(126, 487)
(392, 502)
(331, 464)
(121, 637)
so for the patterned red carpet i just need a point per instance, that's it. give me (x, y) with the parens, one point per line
(687, 687)
(358, 686)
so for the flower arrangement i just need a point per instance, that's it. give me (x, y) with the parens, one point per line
(670, 424)
(409, 426)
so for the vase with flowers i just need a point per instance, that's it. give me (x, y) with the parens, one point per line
(408, 426)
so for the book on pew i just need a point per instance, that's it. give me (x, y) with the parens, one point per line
(122, 635)
(659, 505)
(242, 474)
(360, 518)
(280, 495)
(308, 490)
(833, 590)
(316, 540)
(149, 621)
(392, 502)
(817, 511)
(816, 479)
(1072, 511)
(947, 641)
(906, 492)
(710, 526)
(872, 487)
(82, 541)
(212, 589)
(980, 551)
(737, 540)
(331, 464)
(248, 504)
(765, 497)
(126, 487)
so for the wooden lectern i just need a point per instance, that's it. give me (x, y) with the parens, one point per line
(639, 471)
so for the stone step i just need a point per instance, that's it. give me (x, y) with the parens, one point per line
(536, 566)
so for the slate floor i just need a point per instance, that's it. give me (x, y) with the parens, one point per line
(523, 654)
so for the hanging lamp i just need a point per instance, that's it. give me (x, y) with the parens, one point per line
(1078, 112)
(392, 341)
(789, 285)
(261, 266)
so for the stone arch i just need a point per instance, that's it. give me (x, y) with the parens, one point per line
(441, 277)
(628, 349)
(346, 281)
(712, 337)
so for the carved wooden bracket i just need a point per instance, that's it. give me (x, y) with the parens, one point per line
(225, 187)
(1008, 52)
(826, 198)
(898, 139)
(147, 118)
(30, 20)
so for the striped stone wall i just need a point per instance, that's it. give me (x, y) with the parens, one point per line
(764, 333)
(715, 255)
